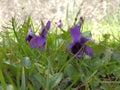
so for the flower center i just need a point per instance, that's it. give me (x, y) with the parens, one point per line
(30, 37)
(77, 48)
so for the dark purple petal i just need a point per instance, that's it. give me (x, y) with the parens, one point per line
(75, 33)
(48, 25)
(33, 42)
(43, 45)
(42, 42)
(43, 31)
(44, 28)
(88, 51)
(71, 44)
(84, 40)
(37, 41)
(30, 34)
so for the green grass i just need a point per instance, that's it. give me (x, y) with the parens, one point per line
(26, 68)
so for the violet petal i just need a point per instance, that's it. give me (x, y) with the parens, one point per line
(71, 44)
(48, 25)
(37, 41)
(30, 34)
(33, 42)
(75, 33)
(84, 40)
(44, 28)
(88, 51)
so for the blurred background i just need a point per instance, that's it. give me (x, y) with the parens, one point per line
(56, 9)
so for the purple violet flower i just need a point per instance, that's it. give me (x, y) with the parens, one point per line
(30, 34)
(59, 24)
(38, 41)
(78, 46)
(44, 29)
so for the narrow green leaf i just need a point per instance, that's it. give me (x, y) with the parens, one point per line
(40, 79)
(71, 71)
(54, 81)
(87, 34)
(23, 84)
(2, 81)
(26, 62)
